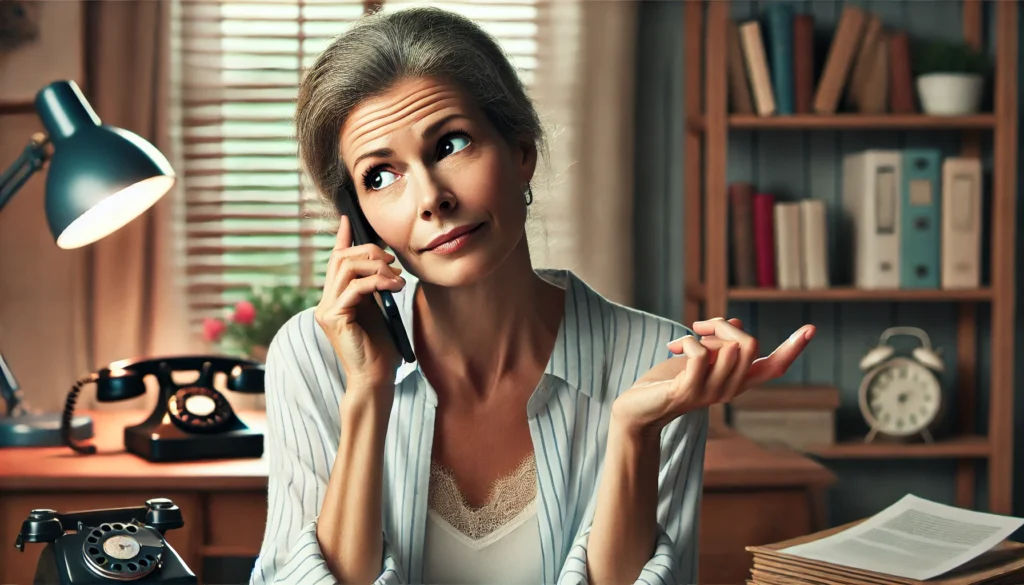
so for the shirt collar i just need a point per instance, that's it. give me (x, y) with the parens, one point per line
(579, 351)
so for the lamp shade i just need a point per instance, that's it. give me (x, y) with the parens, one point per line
(100, 177)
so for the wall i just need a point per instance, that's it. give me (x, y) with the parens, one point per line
(42, 300)
(795, 165)
(42, 288)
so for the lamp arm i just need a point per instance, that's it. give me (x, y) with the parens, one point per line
(9, 390)
(32, 158)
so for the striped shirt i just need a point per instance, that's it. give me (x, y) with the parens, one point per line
(601, 349)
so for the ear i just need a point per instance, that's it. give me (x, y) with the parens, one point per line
(526, 159)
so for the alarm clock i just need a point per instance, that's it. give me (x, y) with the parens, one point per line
(901, 397)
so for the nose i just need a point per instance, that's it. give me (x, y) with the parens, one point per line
(435, 198)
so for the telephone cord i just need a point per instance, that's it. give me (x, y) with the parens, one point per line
(69, 414)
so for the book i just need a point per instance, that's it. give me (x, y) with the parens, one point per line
(739, 88)
(840, 58)
(764, 239)
(788, 267)
(752, 43)
(778, 28)
(803, 63)
(901, 76)
(864, 62)
(814, 244)
(741, 234)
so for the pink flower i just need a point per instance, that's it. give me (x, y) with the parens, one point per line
(213, 329)
(245, 313)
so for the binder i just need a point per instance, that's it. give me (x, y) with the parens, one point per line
(871, 202)
(920, 227)
(961, 223)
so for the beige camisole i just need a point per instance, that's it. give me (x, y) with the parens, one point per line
(496, 543)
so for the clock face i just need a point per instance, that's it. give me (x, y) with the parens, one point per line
(902, 397)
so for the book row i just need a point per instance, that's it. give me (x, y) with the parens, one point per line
(912, 217)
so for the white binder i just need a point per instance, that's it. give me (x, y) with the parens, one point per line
(961, 223)
(871, 202)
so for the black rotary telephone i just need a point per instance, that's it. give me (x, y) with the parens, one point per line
(107, 546)
(190, 421)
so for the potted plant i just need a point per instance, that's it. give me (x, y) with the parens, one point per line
(252, 323)
(950, 77)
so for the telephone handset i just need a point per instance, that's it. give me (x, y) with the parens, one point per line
(107, 546)
(189, 421)
(385, 300)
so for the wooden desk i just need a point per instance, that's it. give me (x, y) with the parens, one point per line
(752, 495)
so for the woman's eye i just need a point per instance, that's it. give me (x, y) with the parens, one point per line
(453, 144)
(381, 179)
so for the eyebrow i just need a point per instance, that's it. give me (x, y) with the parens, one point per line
(386, 152)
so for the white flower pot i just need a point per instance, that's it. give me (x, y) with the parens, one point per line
(950, 94)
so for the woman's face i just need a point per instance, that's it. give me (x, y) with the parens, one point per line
(428, 166)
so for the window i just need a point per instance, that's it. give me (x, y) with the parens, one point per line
(251, 218)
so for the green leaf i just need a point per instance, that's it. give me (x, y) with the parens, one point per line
(274, 306)
(937, 56)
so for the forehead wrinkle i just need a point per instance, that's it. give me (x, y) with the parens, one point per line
(406, 105)
(377, 127)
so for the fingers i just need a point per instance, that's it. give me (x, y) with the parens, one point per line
(353, 268)
(692, 378)
(337, 276)
(735, 322)
(342, 242)
(721, 328)
(360, 288)
(716, 382)
(776, 364)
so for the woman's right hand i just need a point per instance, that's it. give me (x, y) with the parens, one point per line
(349, 315)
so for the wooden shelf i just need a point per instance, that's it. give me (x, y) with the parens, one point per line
(856, 294)
(708, 170)
(959, 447)
(855, 122)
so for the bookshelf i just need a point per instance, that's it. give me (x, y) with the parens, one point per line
(707, 285)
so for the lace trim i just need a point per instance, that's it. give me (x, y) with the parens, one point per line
(509, 496)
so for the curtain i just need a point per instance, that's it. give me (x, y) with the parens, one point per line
(582, 217)
(135, 277)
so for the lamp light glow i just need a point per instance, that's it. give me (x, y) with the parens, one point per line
(114, 212)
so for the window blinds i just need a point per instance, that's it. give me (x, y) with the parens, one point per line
(252, 218)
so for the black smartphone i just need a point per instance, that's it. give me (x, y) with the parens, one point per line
(385, 300)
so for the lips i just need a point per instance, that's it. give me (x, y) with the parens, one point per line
(451, 235)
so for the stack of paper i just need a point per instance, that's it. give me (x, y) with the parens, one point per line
(913, 541)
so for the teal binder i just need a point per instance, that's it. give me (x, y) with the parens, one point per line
(920, 222)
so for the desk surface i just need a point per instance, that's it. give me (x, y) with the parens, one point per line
(731, 461)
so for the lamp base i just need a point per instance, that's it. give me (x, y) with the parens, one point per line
(41, 430)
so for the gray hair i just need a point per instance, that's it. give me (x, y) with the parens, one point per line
(383, 48)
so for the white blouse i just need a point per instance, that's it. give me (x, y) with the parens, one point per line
(602, 348)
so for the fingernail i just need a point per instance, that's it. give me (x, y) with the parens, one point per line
(795, 337)
(810, 334)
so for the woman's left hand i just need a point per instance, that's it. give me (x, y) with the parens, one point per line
(716, 369)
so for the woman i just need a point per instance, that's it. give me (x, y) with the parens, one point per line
(541, 436)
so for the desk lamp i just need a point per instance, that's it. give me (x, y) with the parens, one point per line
(99, 178)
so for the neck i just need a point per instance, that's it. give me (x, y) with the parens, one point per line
(473, 336)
